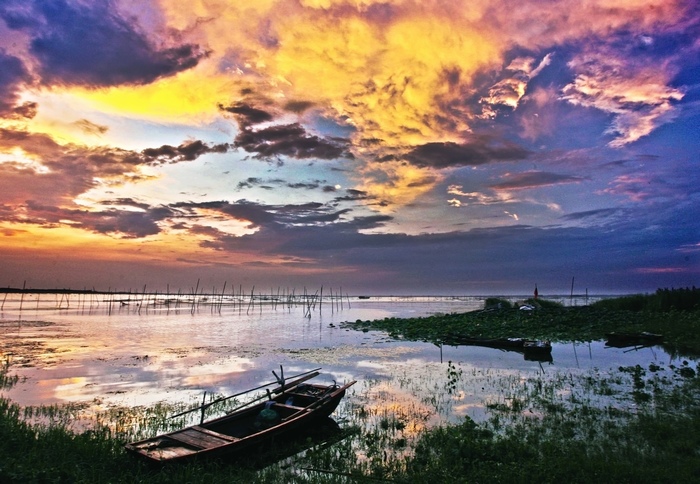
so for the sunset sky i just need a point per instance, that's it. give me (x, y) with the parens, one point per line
(385, 147)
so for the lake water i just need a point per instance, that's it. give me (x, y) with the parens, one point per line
(129, 352)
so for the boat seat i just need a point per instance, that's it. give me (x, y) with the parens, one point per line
(230, 438)
(201, 438)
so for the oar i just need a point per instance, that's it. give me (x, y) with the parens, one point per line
(205, 405)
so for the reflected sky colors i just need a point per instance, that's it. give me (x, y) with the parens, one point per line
(126, 359)
(392, 146)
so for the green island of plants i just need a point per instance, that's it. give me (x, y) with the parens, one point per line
(552, 429)
(673, 313)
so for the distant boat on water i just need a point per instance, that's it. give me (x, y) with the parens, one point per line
(623, 340)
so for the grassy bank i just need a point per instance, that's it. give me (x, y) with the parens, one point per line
(681, 329)
(632, 424)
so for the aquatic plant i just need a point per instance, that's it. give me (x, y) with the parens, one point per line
(680, 329)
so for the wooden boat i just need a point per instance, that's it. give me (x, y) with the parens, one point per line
(623, 340)
(289, 408)
(537, 347)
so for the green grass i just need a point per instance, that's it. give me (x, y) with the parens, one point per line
(534, 440)
(681, 329)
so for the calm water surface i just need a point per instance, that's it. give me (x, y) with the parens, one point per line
(111, 354)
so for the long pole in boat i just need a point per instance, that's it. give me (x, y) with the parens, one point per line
(247, 391)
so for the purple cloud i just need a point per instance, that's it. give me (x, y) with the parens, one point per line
(189, 151)
(290, 140)
(479, 151)
(89, 43)
(13, 75)
(535, 179)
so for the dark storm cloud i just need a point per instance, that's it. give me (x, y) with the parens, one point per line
(126, 202)
(189, 151)
(13, 75)
(249, 183)
(125, 223)
(534, 179)
(256, 214)
(89, 43)
(272, 217)
(479, 151)
(59, 173)
(290, 140)
(26, 110)
(480, 259)
(353, 195)
(247, 115)
(298, 106)
(308, 186)
(299, 231)
(97, 161)
(269, 184)
(90, 127)
(593, 214)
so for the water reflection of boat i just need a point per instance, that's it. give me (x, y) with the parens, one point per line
(323, 432)
(290, 408)
(532, 349)
(623, 340)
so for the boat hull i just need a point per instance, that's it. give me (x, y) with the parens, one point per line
(288, 412)
(624, 340)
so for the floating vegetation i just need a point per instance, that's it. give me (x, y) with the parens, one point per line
(681, 329)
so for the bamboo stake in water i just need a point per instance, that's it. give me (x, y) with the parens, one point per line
(252, 296)
(221, 301)
(143, 295)
(21, 299)
(194, 297)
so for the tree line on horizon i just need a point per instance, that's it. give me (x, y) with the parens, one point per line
(681, 299)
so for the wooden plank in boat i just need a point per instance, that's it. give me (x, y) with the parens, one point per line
(172, 452)
(195, 438)
(215, 434)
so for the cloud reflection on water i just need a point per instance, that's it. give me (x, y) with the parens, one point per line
(130, 359)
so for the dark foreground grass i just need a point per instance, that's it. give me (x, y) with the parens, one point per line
(583, 444)
(33, 454)
(586, 445)
(665, 450)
